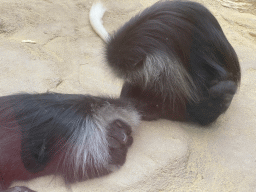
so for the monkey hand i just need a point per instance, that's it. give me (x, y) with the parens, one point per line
(209, 109)
(119, 138)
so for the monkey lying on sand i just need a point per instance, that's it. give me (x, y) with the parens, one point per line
(177, 64)
(175, 60)
(75, 136)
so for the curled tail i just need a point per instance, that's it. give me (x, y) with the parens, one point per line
(96, 13)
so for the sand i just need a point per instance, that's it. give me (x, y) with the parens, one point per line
(48, 45)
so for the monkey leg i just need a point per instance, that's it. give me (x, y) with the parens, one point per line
(210, 108)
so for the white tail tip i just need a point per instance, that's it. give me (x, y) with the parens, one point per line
(96, 13)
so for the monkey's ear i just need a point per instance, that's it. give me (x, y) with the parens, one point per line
(138, 64)
(34, 154)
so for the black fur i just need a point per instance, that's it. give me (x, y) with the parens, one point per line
(76, 136)
(176, 61)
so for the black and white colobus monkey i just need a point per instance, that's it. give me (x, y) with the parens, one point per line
(75, 136)
(175, 59)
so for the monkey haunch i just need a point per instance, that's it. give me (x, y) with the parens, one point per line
(75, 136)
(176, 61)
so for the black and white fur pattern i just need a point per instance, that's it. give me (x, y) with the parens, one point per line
(175, 60)
(75, 136)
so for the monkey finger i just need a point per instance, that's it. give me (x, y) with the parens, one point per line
(119, 131)
(118, 155)
(115, 143)
(222, 88)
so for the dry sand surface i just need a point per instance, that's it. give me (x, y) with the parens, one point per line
(65, 55)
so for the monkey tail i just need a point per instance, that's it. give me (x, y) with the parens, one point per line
(96, 13)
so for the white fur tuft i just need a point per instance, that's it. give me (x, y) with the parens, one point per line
(96, 13)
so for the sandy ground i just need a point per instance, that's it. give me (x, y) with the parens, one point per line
(67, 56)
